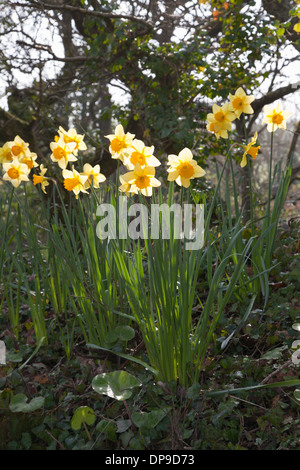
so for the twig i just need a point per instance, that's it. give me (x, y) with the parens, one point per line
(59, 443)
(129, 415)
(275, 372)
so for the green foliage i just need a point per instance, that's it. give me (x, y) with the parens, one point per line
(117, 384)
(82, 415)
(18, 404)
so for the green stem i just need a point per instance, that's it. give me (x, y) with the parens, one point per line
(251, 197)
(236, 204)
(216, 193)
(250, 179)
(87, 431)
(270, 180)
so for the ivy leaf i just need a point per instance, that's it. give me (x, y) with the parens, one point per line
(149, 420)
(123, 333)
(297, 394)
(18, 404)
(83, 414)
(117, 384)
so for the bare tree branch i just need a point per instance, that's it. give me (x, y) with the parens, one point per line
(84, 11)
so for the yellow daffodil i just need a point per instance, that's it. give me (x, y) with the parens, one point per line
(62, 153)
(6, 153)
(119, 141)
(183, 168)
(141, 180)
(139, 153)
(240, 102)
(250, 150)
(275, 117)
(219, 121)
(125, 187)
(19, 148)
(72, 136)
(74, 181)
(15, 172)
(94, 177)
(41, 178)
(30, 160)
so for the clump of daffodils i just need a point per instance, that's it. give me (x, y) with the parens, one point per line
(141, 162)
(138, 158)
(219, 122)
(65, 150)
(17, 161)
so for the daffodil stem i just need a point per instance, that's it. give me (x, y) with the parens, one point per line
(251, 196)
(270, 180)
(216, 193)
(250, 179)
(117, 176)
(236, 203)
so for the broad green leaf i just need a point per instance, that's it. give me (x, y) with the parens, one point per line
(108, 428)
(117, 384)
(275, 353)
(297, 394)
(19, 404)
(83, 414)
(149, 420)
(123, 425)
(123, 332)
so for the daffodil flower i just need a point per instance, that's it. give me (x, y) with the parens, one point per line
(72, 136)
(139, 153)
(30, 160)
(183, 168)
(41, 178)
(275, 117)
(125, 187)
(219, 121)
(94, 177)
(250, 150)
(240, 102)
(74, 181)
(15, 172)
(19, 148)
(141, 180)
(6, 153)
(119, 141)
(62, 153)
